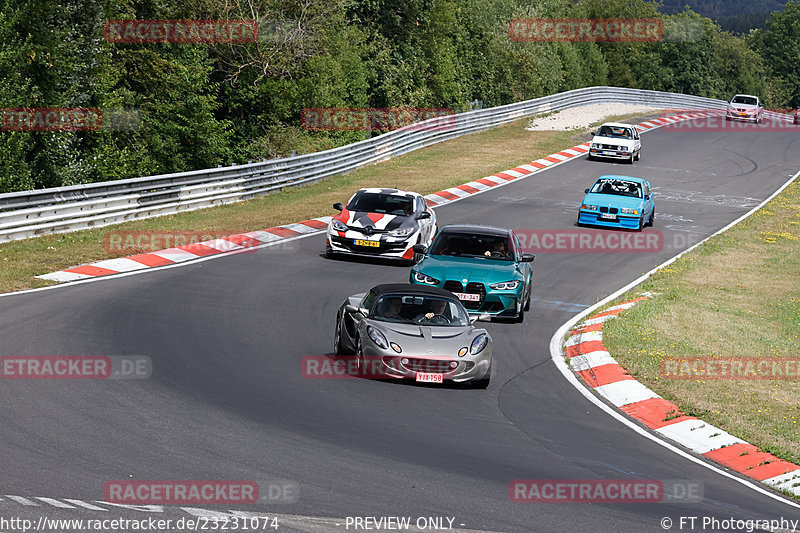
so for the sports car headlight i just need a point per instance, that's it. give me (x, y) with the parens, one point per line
(629, 211)
(478, 344)
(419, 277)
(505, 285)
(377, 337)
(338, 225)
(589, 207)
(401, 232)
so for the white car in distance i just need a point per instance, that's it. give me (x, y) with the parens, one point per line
(615, 140)
(745, 107)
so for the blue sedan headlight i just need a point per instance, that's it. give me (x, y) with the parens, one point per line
(478, 344)
(338, 225)
(589, 207)
(505, 285)
(377, 337)
(629, 211)
(419, 277)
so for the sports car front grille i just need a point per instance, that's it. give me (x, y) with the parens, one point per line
(348, 244)
(612, 210)
(453, 286)
(372, 230)
(436, 366)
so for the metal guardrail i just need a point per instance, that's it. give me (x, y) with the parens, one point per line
(63, 209)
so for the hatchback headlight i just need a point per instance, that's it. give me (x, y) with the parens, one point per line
(505, 285)
(629, 211)
(377, 337)
(589, 207)
(338, 225)
(419, 277)
(596, 146)
(401, 232)
(478, 344)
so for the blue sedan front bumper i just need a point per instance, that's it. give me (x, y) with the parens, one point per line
(622, 221)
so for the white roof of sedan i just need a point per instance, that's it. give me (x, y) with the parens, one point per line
(618, 125)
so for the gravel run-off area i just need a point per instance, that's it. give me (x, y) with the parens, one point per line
(585, 116)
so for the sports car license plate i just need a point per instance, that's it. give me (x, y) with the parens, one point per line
(468, 297)
(429, 377)
(608, 216)
(361, 242)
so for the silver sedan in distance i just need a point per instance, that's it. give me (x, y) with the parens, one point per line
(407, 331)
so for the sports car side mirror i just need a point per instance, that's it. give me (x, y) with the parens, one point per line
(586, 191)
(473, 318)
(423, 215)
(528, 258)
(646, 196)
(419, 248)
(355, 309)
(338, 206)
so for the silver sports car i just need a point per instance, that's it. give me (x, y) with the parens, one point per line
(414, 332)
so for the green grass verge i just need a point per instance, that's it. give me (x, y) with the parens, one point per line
(738, 295)
(427, 170)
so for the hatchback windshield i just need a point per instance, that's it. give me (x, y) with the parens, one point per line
(615, 131)
(390, 204)
(496, 247)
(746, 100)
(420, 310)
(618, 187)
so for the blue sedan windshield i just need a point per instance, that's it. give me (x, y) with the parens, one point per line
(618, 187)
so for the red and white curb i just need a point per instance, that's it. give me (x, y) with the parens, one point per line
(589, 359)
(234, 243)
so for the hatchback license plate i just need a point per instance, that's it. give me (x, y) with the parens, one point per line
(429, 377)
(374, 244)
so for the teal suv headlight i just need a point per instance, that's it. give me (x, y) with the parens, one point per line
(419, 277)
(505, 285)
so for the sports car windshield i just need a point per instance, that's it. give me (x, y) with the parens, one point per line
(618, 187)
(419, 310)
(496, 247)
(746, 100)
(390, 204)
(614, 131)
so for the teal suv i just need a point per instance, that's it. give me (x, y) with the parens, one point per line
(483, 266)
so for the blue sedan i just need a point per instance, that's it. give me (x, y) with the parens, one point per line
(618, 202)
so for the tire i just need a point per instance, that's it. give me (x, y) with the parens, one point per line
(528, 301)
(521, 316)
(338, 349)
(359, 358)
(590, 157)
(630, 160)
(641, 223)
(638, 155)
(652, 217)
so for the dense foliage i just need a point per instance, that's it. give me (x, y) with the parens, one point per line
(203, 105)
